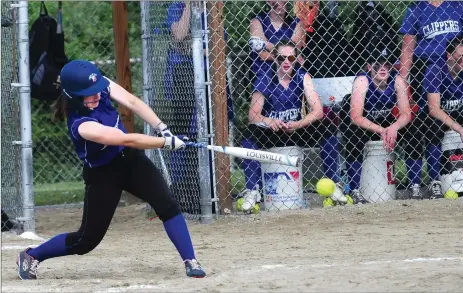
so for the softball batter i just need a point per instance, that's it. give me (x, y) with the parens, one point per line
(114, 161)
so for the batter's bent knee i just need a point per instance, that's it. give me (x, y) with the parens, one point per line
(167, 210)
(77, 243)
(85, 247)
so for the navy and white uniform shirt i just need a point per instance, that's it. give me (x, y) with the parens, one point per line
(433, 27)
(378, 103)
(451, 90)
(282, 103)
(284, 33)
(91, 153)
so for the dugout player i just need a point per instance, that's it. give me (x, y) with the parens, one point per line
(444, 88)
(113, 161)
(375, 94)
(273, 26)
(427, 27)
(276, 120)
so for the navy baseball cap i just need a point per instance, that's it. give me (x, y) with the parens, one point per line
(382, 55)
(82, 78)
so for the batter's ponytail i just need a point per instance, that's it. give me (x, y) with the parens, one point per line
(60, 108)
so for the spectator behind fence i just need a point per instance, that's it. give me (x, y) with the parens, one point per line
(180, 89)
(375, 94)
(444, 88)
(427, 27)
(273, 26)
(276, 120)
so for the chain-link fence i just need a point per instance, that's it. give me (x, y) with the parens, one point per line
(11, 152)
(336, 41)
(253, 57)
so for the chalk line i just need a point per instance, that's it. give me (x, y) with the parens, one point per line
(16, 247)
(269, 267)
(131, 287)
(366, 263)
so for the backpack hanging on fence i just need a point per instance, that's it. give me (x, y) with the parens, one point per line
(46, 55)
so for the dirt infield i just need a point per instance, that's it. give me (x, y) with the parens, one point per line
(397, 246)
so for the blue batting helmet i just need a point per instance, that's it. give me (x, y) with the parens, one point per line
(79, 79)
(82, 78)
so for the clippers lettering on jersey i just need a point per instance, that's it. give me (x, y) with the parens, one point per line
(379, 113)
(287, 115)
(440, 27)
(452, 105)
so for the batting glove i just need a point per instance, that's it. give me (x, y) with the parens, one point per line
(164, 130)
(173, 143)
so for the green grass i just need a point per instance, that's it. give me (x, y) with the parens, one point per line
(59, 193)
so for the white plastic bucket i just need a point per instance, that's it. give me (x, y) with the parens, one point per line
(451, 174)
(377, 182)
(282, 184)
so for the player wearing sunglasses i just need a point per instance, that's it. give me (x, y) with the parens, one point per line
(276, 120)
(375, 93)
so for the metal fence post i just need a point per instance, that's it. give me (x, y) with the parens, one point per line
(26, 120)
(147, 83)
(201, 112)
(209, 102)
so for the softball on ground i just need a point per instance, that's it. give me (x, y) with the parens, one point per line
(255, 209)
(451, 194)
(239, 204)
(350, 201)
(328, 202)
(325, 187)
